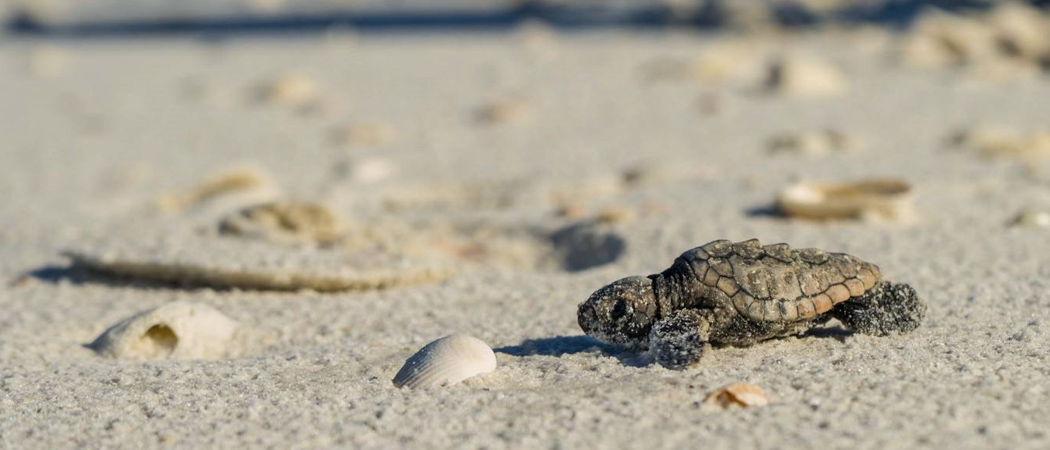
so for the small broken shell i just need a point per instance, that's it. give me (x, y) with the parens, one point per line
(811, 143)
(230, 189)
(285, 222)
(878, 199)
(1032, 219)
(512, 111)
(173, 331)
(805, 77)
(292, 90)
(737, 394)
(992, 141)
(445, 362)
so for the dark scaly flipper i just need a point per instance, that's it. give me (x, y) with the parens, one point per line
(888, 308)
(678, 341)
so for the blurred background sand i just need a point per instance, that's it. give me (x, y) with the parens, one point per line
(541, 150)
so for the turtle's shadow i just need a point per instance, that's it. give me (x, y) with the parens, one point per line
(836, 332)
(567, 345)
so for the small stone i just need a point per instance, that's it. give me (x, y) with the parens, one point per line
(737, 395)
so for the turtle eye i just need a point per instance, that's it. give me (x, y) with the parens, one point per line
(621, 308)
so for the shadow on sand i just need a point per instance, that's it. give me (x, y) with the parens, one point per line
(82, 275)
(568, 345)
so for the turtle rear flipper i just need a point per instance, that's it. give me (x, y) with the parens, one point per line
(889, 308)
(678, 341)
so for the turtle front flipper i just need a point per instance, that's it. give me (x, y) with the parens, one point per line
(678, 341)
(888, 308)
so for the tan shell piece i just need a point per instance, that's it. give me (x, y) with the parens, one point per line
(766, 285)
(173, 331)
(227, 190)
(800, 76)
(285, 222)
(993, 141)
(812, 142)
(887, 200)
(236, 263)
(737, 395)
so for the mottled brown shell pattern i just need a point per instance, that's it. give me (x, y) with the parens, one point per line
(775, 283)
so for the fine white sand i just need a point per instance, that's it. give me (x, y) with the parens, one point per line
(88, 149)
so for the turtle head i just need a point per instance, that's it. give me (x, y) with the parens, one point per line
(621, 313)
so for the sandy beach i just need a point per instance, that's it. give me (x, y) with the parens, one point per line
(537, 167)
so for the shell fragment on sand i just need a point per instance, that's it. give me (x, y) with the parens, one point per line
(799, 76)
(285, 222)
(1010, 30)
(873, 199)
(237, 263)
(737, 394)
(811, 143)
(509, 111)
(230, 189)
(445, 362)
(992, 141)
(1032, 219)
(173, 331)
(292, 90)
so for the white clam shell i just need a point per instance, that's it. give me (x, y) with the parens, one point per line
(173, 331)
(445, 362)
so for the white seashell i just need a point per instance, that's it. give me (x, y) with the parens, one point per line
(173, 331)
(445, 362)
(878, 199)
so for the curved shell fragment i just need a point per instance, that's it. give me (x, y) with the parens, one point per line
(874, 199)
(445, 362)
(173, 331)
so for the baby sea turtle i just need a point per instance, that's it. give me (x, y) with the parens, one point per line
(726, 293)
